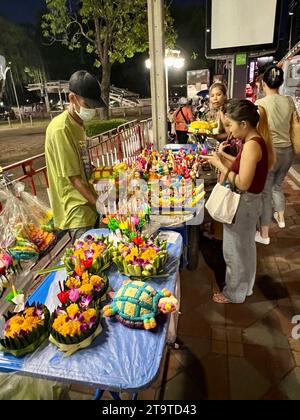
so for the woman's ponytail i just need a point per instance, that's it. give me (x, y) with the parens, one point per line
(264, 132)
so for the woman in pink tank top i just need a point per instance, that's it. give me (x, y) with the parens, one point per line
(249, 172)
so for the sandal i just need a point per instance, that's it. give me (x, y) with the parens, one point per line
(221, 299)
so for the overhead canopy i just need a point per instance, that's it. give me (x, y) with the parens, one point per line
(51, 87)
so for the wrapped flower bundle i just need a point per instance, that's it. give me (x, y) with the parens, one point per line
(24, 332)
(142, 258)
(23, 249)
(74, 326)
(93, 254)
(86, 285)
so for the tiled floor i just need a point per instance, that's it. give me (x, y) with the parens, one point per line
(238, 351)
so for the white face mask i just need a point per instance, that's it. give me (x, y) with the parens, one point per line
(86, 114)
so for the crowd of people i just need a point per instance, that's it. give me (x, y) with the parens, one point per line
(255, 154)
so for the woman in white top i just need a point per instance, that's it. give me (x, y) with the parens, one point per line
(279, 111)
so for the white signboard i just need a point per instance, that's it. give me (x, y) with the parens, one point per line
(2, 67)
(238, 23)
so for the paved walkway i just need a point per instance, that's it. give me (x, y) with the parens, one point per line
(238, 351)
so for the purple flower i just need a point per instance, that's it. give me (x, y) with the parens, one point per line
(156, 248)
(59, 311)
(89, 254)
(99, 286)
(89, 238)
(24, 332)
(38, 311)
(84, 327)
(85, 301)
(139, 261)
(79, 317)
(79, 244)
(93, 320)
(6, 324)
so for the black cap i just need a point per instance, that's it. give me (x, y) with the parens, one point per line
(87, 86)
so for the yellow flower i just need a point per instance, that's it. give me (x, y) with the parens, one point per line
(85, 276)
(29, 312)
(72, 310)
(123, 225)
(59, 322)
(70, 328)
(90, 313)
(23, 322)
(95, 280)
(149, 254)
(134, 253)
(73, 282)
(79, 253)
(98, 249)
(31, 323)
(86, 289)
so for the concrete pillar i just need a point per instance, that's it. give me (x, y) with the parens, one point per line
(156, 23)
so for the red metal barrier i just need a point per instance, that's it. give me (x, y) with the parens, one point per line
(28, 172)
(146, 132)
(130, 140)
(105, 149)
(122, 144)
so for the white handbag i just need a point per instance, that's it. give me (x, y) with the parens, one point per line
(223, 203)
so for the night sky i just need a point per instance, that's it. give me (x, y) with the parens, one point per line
(133, 74)
(25, 11)
(21, 11)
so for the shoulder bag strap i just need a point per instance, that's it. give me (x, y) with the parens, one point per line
(185, 119)
(233, 182)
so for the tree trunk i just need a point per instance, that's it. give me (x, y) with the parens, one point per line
(103, 54)
(105, 86)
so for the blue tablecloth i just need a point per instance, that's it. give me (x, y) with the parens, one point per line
(119, 359)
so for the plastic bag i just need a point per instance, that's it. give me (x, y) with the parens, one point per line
(21, 233)
(41, 213)
(39, 223)
(12, 220)
(14, 387)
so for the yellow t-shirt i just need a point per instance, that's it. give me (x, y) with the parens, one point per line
(66, 156)
(279, 110)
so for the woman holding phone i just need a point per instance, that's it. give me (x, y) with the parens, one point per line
(248, 171)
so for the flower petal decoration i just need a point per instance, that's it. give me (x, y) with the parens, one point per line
(113, 225)
(87, 263)
(64, 297)
(124, 226)
(74, 295)
(138, 241)
(19, 301)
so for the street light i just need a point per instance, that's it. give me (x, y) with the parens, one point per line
(172, 61)
(292, 7)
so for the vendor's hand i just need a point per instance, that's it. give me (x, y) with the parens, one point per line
(223, 146)
(214, 159)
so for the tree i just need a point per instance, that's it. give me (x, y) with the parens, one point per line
(20, 49)
(111, 31)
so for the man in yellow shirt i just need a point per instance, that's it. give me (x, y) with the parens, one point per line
(73, 199)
